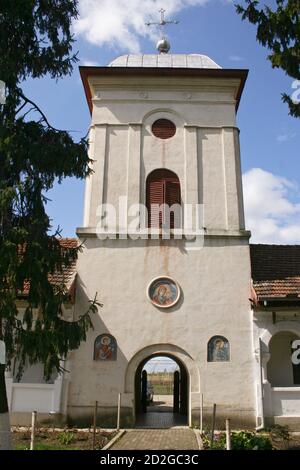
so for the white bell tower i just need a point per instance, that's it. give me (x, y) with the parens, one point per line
(163, 128)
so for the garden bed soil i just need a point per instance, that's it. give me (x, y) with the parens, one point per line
(63, 439)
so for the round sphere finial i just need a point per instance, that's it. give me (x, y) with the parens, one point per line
(163, 46)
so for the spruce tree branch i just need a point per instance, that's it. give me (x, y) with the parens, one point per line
(38, 109)
(27, 100)
(27, 112)
(21, 107)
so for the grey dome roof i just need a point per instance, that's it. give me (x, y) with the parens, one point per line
(190, 61)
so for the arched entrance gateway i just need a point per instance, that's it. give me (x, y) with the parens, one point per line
(161, 397)
(185, 384)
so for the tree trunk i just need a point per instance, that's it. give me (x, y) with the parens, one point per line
(5, 437)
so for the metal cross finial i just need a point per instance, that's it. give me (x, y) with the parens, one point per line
(163, 21)
(162, 15)
(163, 45)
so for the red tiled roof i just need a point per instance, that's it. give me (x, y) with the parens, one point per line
(275, 271)
(67, 275)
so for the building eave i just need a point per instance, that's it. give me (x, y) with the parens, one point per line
(269, 303)
(87, 71)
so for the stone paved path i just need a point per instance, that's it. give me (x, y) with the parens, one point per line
(157, 439)
(160, 420)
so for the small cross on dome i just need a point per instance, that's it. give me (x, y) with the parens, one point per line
(163, 45)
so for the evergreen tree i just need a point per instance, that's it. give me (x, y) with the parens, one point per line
(279, 31)
(35, 40)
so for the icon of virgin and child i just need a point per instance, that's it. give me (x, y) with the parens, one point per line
(163, 293)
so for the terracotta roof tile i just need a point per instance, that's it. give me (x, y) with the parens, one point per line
(67, 275)
(275, 270)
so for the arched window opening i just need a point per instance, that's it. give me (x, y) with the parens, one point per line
(218, 349)
(163, 199)
(281, 370)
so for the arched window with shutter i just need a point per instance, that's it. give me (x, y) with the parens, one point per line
(163, 193)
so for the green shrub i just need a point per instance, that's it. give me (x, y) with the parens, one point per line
(219, 442)
(245, 440)
(66, 438)
(280, 432)
(242, 440)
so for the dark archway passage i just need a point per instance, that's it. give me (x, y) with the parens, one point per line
(161, 396)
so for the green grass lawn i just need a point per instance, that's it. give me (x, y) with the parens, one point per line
(43, 446)
(162, 382)
(161, 389)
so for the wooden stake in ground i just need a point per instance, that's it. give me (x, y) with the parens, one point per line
(95, 424)
(119, 412)
(213, 425)
(201, 413)
(33, 423)
(228, 437)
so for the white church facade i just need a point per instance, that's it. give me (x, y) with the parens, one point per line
(164, 131)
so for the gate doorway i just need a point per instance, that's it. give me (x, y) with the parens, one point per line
(161, 392)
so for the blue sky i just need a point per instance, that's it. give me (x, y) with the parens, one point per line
(270, 138)
(160, 364)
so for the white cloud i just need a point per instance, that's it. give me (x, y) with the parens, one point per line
(284, 137)
(88, 63)
(271, 213)
(121, 23)
(236, 58)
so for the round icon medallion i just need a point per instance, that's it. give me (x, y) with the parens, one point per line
(163, 292)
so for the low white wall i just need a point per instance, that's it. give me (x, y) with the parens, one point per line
(34, 374)
(286, 401)
(43, 398)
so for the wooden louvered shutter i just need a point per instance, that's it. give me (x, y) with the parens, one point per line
(172, 196)
(155, 198)
(163, 187)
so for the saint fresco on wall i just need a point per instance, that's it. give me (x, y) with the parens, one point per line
(105, 348)
(218, 349)
(164, 292)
